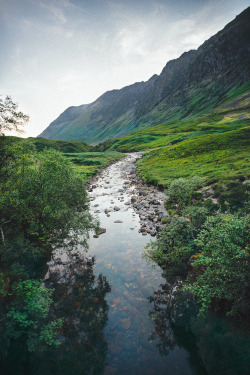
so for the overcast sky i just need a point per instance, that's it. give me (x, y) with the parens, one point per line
(59, 53)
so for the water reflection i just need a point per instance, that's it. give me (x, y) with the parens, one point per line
(215, 345)
(79, 299)
(172, 318)
(223, 345)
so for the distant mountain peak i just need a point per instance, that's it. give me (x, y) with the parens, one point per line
(192, 84)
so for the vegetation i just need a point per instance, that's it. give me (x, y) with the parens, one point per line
(221, 268)
(89, 163)
(10, 117)
(43, 205)
(211, 80)
(28, 314)
(62, 146)
(207, 248)
(220, 157)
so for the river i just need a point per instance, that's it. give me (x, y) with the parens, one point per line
(134, 347)
(111, 301)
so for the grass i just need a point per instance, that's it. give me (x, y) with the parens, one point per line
(83, 161)
(219, 157)
(63, 146)
(89, 163)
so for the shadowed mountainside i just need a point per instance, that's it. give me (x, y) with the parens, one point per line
(194, 84)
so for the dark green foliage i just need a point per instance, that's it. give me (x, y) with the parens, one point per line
(181, 191)
(223, 345)
(234, 194)
(207, 248)
(43, 199)
(43, 203)
(173, 247)
(27, 315)
(222, 269)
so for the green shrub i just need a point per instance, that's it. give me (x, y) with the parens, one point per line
(180, 191)
(222, 269)
(28, 313)
(173, 247)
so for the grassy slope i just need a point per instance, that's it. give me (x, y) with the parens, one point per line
(86, 163)
(89, 163)
(214, 146)
(63, 146)
(217, 157)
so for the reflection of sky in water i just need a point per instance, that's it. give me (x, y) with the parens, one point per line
(119, 257)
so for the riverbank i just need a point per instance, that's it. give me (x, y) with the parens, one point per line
(147, 201)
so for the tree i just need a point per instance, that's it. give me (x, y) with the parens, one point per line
(222, 267)
(43, 200)
(10, 117)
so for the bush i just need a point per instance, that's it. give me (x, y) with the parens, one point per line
(173, 247)
(180, 191)
(27, 315)
(43, 199)
(222, 269)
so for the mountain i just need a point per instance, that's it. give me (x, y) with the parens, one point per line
(195, 83)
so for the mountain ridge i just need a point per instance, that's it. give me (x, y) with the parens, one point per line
(190, 85)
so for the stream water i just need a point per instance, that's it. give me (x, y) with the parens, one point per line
(110, 300)
(134, 346)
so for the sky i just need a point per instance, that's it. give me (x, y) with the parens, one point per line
(61, 53)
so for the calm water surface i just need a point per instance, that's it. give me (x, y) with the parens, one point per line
(110, 300)
(134, 347)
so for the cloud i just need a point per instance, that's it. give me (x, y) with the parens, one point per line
(57, 53)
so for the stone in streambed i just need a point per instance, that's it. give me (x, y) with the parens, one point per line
(126, 323)
(101, 231)
(110, 370)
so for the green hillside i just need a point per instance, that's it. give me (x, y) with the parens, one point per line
(214, 146)
(63, 146)
(191, 86)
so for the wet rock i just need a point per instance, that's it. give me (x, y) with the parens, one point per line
(126, 323)
(115, 349)
(101, 231)
(110, 370)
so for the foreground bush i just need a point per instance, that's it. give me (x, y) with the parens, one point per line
(222, 269)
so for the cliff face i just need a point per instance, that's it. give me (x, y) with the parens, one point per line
(196, 82)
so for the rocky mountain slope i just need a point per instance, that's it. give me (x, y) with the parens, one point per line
(196, 83)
